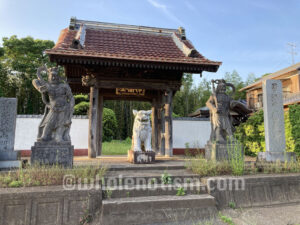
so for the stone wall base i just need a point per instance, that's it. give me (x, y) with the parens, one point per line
(52, 153)
(275, 156)
(219, 151)
(10, 164)
(254, 190)
(141, 157)
(48, 205)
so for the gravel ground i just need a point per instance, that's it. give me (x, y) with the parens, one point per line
(273, 215)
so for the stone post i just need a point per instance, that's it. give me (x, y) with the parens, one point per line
(274, 123)
(8, 114)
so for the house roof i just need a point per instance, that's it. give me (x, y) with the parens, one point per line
(102, 41)
(273, 75)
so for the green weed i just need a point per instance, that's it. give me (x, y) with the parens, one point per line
(180, 191)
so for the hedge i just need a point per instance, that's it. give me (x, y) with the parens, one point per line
(252, 134)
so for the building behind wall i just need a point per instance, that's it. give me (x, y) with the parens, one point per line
(290, 78)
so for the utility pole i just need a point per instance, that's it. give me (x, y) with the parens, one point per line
(293, 51)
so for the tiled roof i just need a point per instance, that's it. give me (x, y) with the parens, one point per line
(294, 67)
(125, 42)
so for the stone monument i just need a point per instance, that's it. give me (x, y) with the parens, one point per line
(141, 150)
(220, 104)
(53, 144)
(274, 124)
(8, 114)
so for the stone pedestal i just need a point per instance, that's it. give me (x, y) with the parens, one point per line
(219, 151)
(276, 156)
(52, 153)
(141, 157)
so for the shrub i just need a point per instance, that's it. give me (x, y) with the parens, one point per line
(110, 125)
(81, 108)
(294, 118)
(174, 115)
(252, 133)
(81, 98)
(109, 120)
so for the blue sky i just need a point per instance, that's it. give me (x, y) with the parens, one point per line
(249, 36)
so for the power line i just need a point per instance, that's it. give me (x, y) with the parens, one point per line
(293, 51)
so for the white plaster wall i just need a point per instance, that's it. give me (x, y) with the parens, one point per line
(26, 132)
(196, 133)
(27, 129)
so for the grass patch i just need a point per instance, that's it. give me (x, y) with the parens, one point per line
(50, 175)
(116, 147)
(204, 167)
(226, 219)
(236, 157)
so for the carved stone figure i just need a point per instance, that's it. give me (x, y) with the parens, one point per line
(142, 131)
(59, 101)
(221, 105)
(53, 146)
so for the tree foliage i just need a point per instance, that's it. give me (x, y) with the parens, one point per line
(19, 62)
(191, 97)
(294, 118)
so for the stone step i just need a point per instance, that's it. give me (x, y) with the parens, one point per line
(148, 173)
(170, 165)
(147, 178)
(152, 190)
(157, 209)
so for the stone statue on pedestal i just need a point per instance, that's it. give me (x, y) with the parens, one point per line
(220, 105)
(53, 144)
(56, 122)
(141, 150)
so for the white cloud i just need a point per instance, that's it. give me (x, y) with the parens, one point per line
(166, 11)
(190, 6)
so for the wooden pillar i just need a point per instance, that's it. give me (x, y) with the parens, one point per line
(162, 125)
(155, 146)
(100, 125)
(159, 125)
(168, 124)
(95, 123)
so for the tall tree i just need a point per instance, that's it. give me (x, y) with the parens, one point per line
(251, 78)
(20, 59)
(204, 91)
(185, 100)
(237, 81)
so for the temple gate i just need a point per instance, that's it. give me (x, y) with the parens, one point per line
(124, 62)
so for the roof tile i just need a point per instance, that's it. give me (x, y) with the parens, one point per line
(127, 45)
